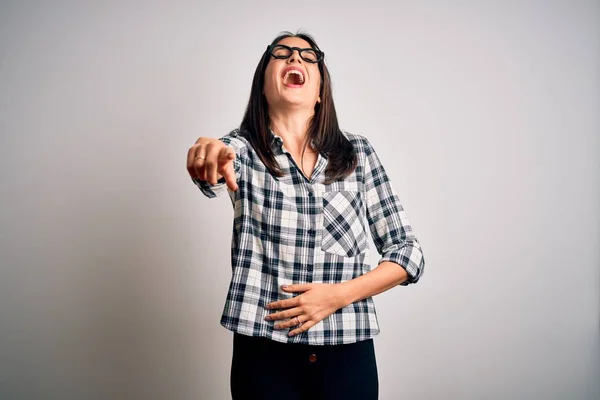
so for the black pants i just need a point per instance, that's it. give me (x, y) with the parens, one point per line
(263, 369)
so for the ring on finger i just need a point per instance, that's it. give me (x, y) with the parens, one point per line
(299, 323)
(200, 157)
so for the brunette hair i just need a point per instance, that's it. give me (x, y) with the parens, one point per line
(323, 131)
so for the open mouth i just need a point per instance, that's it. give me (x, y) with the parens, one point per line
(293, 77)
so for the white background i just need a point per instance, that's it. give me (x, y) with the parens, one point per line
(114, 268)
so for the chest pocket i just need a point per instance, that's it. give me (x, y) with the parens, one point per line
(343, 228)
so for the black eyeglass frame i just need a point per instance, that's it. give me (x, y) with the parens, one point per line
(319, 53)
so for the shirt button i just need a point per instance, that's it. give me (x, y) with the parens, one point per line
(311, 231)
(312, 358)
(310, 194)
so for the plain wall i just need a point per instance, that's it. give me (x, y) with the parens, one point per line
(114, 268)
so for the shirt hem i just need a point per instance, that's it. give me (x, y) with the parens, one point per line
(305, 339)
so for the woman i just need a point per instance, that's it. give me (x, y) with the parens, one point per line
(304, 193)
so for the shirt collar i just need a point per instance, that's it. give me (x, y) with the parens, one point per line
(277, 140)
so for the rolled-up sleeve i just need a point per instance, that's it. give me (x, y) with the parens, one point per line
(234, 141)
(390, 228)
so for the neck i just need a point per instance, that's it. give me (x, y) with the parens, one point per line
(292, 127)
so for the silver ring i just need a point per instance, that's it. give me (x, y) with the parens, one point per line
(299, 323)
(200, 157)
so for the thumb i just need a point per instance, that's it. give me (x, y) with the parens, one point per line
(298, 287)
(226, 155)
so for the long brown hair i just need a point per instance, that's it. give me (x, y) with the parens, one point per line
(323, 131)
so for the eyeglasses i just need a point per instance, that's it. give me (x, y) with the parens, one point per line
(282, 52)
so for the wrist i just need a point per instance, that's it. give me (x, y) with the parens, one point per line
(345, 293)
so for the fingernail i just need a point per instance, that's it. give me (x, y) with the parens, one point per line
(284, 286)
(267, 318)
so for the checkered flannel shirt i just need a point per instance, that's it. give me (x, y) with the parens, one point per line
(291, 230)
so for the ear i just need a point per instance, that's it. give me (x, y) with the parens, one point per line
(319, 99)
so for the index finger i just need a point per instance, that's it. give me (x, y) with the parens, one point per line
(283, 304)
(226, 169)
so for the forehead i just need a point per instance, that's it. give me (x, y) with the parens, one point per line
(295, 42)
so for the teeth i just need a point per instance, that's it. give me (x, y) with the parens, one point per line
(293, 71)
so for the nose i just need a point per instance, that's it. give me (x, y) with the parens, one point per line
(295, 56)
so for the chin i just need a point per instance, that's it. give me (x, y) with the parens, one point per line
(294, 101)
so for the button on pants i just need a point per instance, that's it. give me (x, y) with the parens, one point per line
(263, 369)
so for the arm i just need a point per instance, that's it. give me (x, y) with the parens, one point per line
(402, 261)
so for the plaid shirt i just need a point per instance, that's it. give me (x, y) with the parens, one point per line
(293, 230)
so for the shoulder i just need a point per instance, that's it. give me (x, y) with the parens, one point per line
(361, 144)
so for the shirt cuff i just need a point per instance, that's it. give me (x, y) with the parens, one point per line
(410, 258)
(209, 190)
